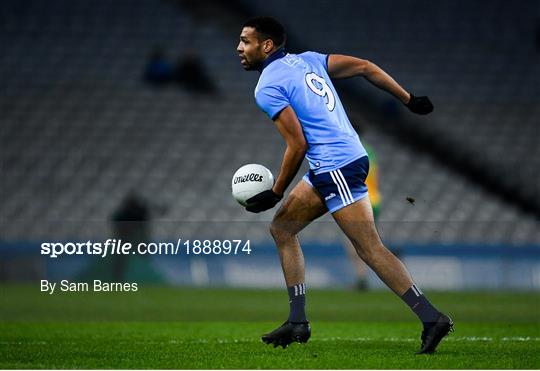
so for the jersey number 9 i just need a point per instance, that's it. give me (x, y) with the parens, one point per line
(321, 89)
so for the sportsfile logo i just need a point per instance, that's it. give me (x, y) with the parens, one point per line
(252, 177)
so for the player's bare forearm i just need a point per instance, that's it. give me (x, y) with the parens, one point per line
(343, 66)
(382, 80)
(291, 130)
(292, 159)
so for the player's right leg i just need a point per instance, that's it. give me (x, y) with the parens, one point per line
(301, 207)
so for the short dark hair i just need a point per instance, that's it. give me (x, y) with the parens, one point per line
(268, 28)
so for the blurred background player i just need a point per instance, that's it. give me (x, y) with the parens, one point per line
(131, 222)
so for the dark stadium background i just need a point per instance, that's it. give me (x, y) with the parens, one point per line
(81, 130)
(84, 128)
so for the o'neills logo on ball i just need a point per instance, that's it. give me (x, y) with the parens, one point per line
(248, 178)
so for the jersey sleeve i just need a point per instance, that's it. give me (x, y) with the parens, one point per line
(321, 58)
(271, 100)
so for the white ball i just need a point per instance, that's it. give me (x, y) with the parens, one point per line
(249, 180)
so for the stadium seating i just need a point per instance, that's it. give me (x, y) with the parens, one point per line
(478, 61)
(80, 128)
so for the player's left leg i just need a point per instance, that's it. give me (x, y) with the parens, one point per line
(356, 221)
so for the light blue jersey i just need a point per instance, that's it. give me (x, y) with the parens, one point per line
(302, 81)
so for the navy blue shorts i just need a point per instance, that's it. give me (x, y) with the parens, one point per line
(343, 186)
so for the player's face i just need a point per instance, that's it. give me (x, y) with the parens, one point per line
(250, 49)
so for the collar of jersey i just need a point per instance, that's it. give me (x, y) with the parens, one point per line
(279, 53)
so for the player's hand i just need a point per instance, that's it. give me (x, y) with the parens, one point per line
(420, 105)
(262, 201)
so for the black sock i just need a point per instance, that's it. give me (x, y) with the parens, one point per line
(297, 302)
(419, 304)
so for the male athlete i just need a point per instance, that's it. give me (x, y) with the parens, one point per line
(296, 92)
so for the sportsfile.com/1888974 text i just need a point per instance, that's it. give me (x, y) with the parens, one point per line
(118, 247)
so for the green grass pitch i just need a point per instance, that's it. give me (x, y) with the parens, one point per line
(162, 328)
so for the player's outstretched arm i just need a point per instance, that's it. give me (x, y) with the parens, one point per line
(344, 66)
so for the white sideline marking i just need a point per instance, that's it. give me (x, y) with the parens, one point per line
(336, 338)
(450, 338)
(520, 338)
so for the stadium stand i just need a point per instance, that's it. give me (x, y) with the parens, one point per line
(478, 62)
(81, 129)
